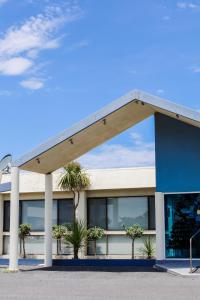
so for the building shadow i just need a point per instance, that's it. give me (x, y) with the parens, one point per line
(118, 269)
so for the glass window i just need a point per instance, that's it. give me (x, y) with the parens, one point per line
(34, 245)
(55, 212)
(33, 213)
(97, 212)
(152, 222)
(6, 216)
(6, 244)
(119, 245)
(100, 247)
(182, 220)
(127, 211)
(66, 249)
(65, 211)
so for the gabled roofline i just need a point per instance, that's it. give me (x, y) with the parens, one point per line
(133, 96)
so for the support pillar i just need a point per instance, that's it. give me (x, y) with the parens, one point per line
(1, 224)
(160, 226)
(48, 220)
(82, 208)
(14, 219)
(82, 216)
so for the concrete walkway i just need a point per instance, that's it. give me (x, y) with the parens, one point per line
(181, 267)
(62, 284)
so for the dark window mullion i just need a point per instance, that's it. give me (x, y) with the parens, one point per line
(106, 213)
(58, 212)
(149, 222)
(20, 212)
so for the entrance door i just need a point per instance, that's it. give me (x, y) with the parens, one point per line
(182, 220)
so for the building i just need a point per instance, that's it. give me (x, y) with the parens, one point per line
(115, 197)
(177, 185)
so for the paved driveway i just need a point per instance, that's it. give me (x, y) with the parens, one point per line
(63, 285)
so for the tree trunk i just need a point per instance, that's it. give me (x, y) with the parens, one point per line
(24, 251)
(95, 248)
(133, 249)
(74, 213)
(75, 253)
(20, 246)
(59, 247)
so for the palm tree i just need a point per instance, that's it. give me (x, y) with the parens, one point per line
(76, 236)
(74, 180)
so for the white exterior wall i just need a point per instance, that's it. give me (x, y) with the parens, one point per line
(1, 224)
(101, 179)
(104, 182)
(160, 226)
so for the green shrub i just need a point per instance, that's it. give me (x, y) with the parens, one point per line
(133, 232)
(94, 234)
(58, 233)
(148, 249)
(24, 231)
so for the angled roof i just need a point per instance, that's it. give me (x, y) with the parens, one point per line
(106, 123)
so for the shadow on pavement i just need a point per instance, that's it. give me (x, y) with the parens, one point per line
(92, 269)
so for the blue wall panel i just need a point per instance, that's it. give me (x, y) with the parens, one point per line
(177, 155)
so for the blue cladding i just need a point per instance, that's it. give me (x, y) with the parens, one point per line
(23, 262)
(104, 262)
(177, 155)
(5, 187)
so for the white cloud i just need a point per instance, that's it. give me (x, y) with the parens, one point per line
(5, 93)
(115, 155)
(81, 44)
(133, 72)
(34, 35)
(196, 69)
(166, 18)
(160, 91)
(136, 137)
(15, 66)
(186, 5)
(32, 84)
(3, 2)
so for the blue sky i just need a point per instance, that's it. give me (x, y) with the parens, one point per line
(62, 60)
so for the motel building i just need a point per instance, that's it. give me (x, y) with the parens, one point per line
(164, 200)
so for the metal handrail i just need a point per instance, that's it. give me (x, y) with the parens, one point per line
(195, 234)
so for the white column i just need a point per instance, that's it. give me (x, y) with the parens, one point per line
(14, 218)
(160, 226)
(82, 207)
(82, 216)
(1, 224)
(48, 220)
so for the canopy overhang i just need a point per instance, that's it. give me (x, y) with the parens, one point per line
(100, 127)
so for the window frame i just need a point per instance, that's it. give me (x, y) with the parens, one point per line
(149, 197)
(20, 211)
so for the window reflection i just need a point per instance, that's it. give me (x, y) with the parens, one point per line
(181, 222)
(127, 211)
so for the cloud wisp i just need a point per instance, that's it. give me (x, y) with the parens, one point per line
(195, 69)
(3, 2)
(20, 45)
(187, 5)
(139, 154)
(32, 83)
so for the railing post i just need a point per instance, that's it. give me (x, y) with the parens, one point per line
(191, 267)
(190, 255)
